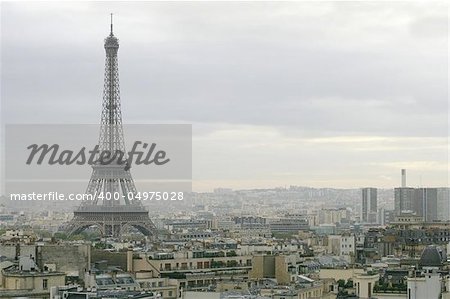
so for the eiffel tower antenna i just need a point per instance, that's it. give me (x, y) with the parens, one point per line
(112, 24)
(113, 179)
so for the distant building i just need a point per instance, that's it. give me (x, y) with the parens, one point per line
(325, 229)
(403, 200)
(333, 216)
(288, 224)
(194, 269)
(78, 292)
(183, 224)
(343, 246)
(419, 201)
(283, 268)
(250, 221)
(385, 216)
(111, 281)
(426, 203)
(167, 287)
(443, 204)
(347, 245)
(369, 205)
(223, 223)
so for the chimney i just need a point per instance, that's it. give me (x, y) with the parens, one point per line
(403, 178)
(130, 259)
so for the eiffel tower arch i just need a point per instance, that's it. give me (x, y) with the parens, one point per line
(113, 215)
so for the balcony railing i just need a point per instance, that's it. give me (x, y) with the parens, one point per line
(239, 266)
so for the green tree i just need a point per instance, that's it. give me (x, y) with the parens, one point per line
(60, 236)
(349, 284)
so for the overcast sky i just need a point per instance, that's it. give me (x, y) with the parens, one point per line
(337, 94)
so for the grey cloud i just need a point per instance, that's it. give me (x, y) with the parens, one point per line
(303, 68)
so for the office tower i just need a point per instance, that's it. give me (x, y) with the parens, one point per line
(417, 201)
(403, 197)
(425, 203)
(369, 205)
(404, 200)
(443, 204)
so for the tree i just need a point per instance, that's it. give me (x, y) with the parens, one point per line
(60, 236)
(349, 284)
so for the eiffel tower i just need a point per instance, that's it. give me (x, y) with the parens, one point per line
(111, 216)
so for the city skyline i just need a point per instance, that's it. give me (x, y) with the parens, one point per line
(278, 94)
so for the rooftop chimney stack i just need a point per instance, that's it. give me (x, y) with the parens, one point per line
(403, 178)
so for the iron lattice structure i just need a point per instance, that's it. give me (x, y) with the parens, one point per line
(111, 216)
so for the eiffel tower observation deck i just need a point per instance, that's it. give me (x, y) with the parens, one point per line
(111, 216)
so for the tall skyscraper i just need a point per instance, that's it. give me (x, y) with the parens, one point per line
(369, 205)
(418, 201)
(404, 200)
(403, 197)
(426, 203)
(443, 204)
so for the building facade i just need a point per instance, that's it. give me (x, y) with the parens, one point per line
(369, 205)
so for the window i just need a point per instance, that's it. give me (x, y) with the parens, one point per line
(45, 284)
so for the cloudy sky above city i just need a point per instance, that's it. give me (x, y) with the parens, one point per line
(325, 94)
